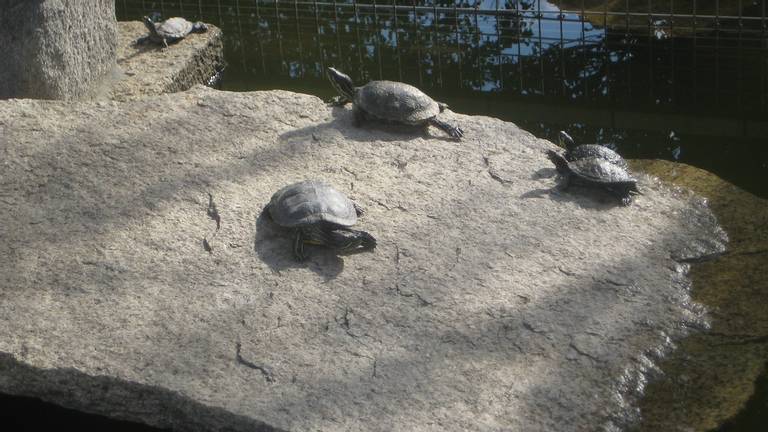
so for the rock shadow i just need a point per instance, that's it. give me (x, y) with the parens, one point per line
(584, 197)
(544, 173)
(273, 245)
(344, 122)
(140, 48)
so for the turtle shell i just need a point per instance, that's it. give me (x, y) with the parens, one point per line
(599, 170)
(586, 151)
(309, 202)
(174, 28)
(396, 101)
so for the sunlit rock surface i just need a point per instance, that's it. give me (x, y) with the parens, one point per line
(55, 49)
(491, 302)
(149, 69)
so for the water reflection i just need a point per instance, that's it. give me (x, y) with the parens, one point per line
(684, 87)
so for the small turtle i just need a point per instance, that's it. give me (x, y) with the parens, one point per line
(171, 30)
(574, 152)
(595, 172)
(318, 214)
(390, 101)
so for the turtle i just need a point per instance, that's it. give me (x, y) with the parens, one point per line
(171, 30)
(318, 214)
(595, 172)
(390, 101)
(575, 152)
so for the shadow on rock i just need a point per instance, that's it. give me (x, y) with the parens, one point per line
(273, 245)
(141, 48)
(544, 173)
(385, 131)
(587, 198)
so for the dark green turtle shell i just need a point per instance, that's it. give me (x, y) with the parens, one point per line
(174, 28)
(586, 151)
(598, 170)
(592, 170)
(396, 101)
(309, 202)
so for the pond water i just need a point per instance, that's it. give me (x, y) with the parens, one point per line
(686, 89)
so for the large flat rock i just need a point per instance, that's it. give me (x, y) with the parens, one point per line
(56, 49)
(492, 302)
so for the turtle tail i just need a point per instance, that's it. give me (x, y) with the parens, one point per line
(560, 163)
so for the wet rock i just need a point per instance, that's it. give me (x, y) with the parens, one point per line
(711, 376)
(486, 305)
(56, 49)
(149, 69)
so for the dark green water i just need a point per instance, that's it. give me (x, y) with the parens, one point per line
(681, 89)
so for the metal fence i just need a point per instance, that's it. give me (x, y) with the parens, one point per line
(673, 53)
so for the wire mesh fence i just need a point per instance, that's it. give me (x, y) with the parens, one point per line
(674, 53)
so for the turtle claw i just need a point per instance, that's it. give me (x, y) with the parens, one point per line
(457, 132)
(337, 101)
(453, 131)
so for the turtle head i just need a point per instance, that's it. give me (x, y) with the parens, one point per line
(148, 23)
(151, 26)
(565, 141)
(349, 240)
(342, 83)
(199, 27)
(337, 237)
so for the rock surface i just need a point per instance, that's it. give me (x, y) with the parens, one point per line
(56, 49)
(149, 70)
(492, 302)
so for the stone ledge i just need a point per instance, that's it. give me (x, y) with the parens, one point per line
(149, 70)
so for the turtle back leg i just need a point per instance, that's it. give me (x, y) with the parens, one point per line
(453, 131)
(624, 192)
(358, 209)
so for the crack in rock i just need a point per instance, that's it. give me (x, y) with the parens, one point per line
(265, 371)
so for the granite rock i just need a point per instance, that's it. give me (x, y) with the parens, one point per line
(493, 301)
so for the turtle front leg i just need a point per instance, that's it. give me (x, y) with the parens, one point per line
(622, 193)
(359, 116)
(453, 131)
(298, 246)
(565, 183)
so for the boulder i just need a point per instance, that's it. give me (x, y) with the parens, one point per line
(493, 301)
(56, 49)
